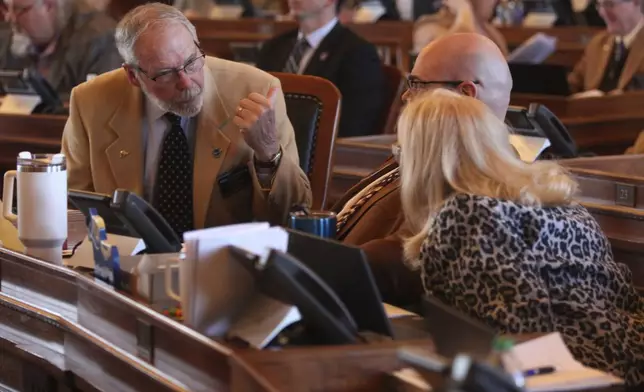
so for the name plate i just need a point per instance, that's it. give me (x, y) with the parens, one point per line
(625, 195)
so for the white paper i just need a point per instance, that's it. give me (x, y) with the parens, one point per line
(219, 286)
(84, 255)
(369, 12)
(535, 50)
(396, 312)
(550, 350)
(262, 320)
(412, 377)
(529, 147)
(588, 94)
(19, 104)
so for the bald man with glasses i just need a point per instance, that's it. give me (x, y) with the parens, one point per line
(370, 214)
(206, 141)
(613, 61)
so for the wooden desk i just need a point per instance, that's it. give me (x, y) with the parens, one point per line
(630, 103)
(104, 344)
(322, 369)
(612, 189)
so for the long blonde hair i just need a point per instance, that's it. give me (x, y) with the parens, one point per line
(451, 143)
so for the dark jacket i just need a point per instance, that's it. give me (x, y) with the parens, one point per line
(85, 46)
(349, 62)
(377, 228)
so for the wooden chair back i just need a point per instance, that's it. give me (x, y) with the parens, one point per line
(395, 82)
(313, 106)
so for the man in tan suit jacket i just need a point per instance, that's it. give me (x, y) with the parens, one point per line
(245, 163)
(614, 59)
(370, 213)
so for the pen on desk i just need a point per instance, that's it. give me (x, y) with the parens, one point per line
(539, 371)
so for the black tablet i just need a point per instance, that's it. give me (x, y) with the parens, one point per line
(83, 201)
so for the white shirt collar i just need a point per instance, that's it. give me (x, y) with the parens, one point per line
(630, 37)
(318, 35)
(152, 111)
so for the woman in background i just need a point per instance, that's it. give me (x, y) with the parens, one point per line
(459, 16)
(504, 242)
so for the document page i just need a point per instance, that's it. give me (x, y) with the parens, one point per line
(551, 351)
(535, 50)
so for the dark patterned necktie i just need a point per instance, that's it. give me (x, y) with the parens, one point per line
(294, 60)
(173, 188)
(344, 217)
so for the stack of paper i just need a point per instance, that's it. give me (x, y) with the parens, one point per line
(529, 147)
(569, 375)
(76, 228)
(218, 294)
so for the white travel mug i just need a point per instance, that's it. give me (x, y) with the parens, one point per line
(42, 204)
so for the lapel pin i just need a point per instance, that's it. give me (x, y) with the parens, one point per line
(123, 154)
(216, 152)
(323, 56)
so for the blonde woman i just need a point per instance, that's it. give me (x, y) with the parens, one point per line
(504, 241)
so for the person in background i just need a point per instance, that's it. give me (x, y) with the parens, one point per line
(206, 8)
(504, 241)
(206, 141)
(369, 214)
(459, 16)
(613, 61)
(406, 10)
(67, 41)
(323, 47)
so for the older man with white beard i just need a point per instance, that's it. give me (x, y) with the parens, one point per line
(65, 40)
(206, 141)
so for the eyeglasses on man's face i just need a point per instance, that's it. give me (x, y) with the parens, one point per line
(191, 66)
(415, 84)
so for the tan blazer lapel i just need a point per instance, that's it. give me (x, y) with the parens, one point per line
(633, 61)
(125, 154)
(211, 147)
(596, 72)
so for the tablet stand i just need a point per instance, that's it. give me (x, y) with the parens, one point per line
(467, 375)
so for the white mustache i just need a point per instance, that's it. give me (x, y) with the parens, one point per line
(20, 44)
(189, 94)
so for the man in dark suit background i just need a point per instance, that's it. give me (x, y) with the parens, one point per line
(323, 47)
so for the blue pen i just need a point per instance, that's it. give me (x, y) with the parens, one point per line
(539, 371)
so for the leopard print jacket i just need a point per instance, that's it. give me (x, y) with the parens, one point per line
(535, 269)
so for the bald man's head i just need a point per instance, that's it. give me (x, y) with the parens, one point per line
(471, 58)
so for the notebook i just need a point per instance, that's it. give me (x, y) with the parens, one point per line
(570, 375)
